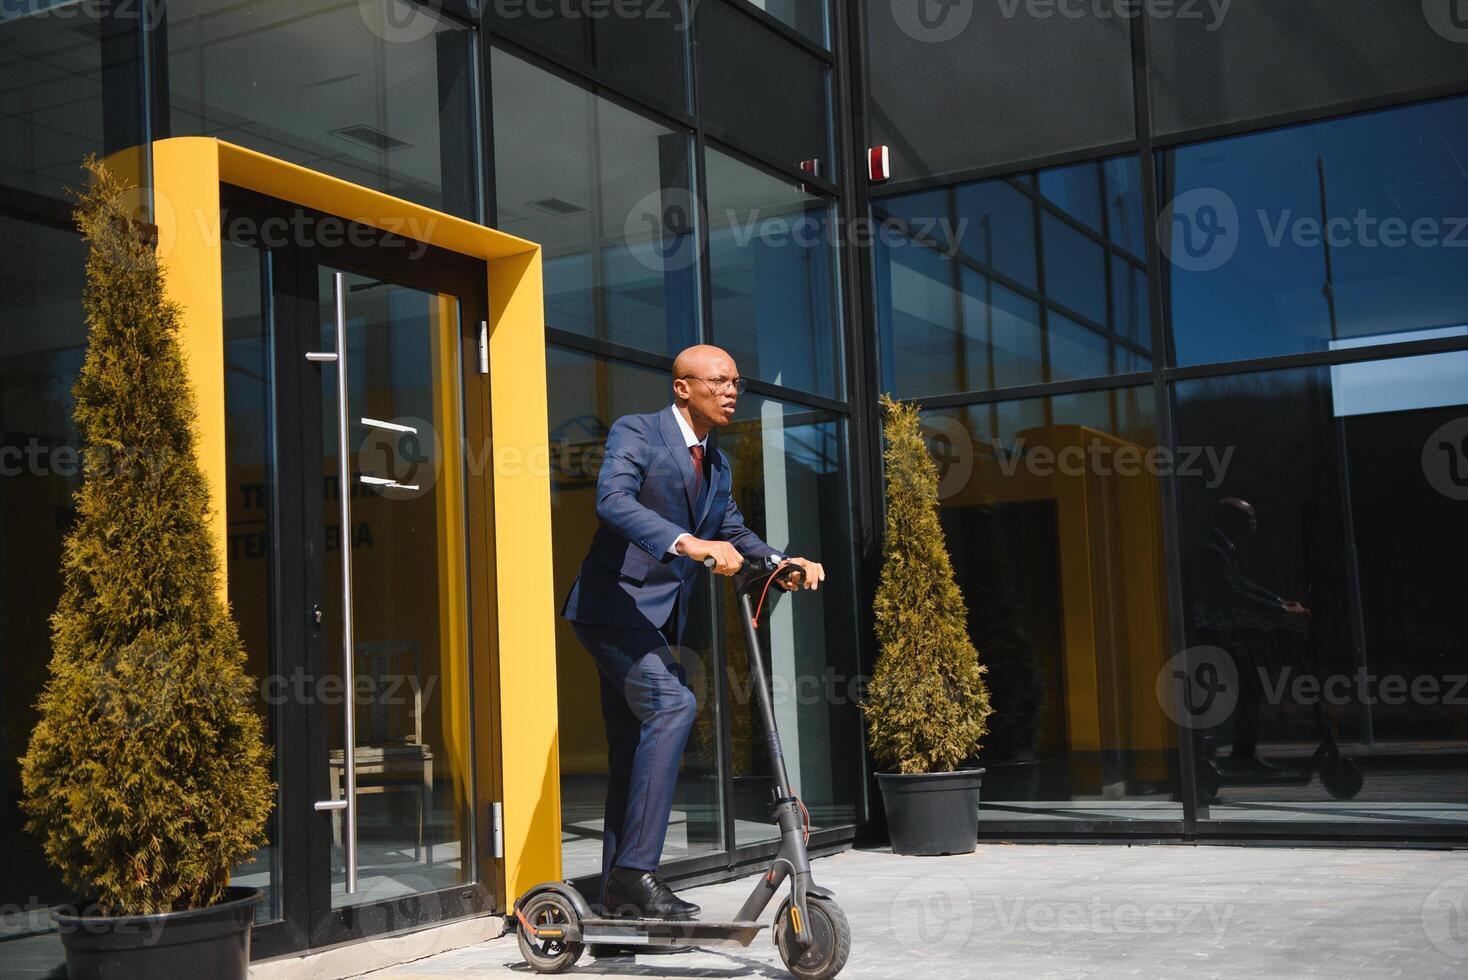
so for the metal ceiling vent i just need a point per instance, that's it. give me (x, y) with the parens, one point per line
(556, 206)
(370, 137)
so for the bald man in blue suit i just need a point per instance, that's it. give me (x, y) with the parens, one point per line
(663, 498)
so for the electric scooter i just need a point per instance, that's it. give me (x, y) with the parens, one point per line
(555, 923)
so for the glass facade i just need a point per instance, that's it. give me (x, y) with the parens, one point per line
(1214, 435)
(998, 283)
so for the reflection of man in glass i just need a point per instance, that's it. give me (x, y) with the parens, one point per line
(1238, 614)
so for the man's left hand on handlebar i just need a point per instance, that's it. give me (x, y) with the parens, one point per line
(812, 575)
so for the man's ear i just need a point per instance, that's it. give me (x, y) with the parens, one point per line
(680, 392)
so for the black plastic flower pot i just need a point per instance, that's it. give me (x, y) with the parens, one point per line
(211, 943)
(933, 812)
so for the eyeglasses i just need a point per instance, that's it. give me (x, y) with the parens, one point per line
(720, 385)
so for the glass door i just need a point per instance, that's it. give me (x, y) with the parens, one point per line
(366, 380)
(394, 588)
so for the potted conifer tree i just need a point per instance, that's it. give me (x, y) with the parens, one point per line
(146, 777)
(926, 705)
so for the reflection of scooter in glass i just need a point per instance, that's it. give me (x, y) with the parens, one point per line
(555, 923)
(1339, 775)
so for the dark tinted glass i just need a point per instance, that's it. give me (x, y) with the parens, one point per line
(773, 268)
(41, 279)
(955, 86)
(612, 208)
(761, 88)
(1052, 517)
(1344, 233)
(51, 93)
(806, 16)
(790, 471)
(958, 303)
(379, 93)
(640, 44)
(1228, 62)
(1323, 579)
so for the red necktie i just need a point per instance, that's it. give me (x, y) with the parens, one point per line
(696, 451)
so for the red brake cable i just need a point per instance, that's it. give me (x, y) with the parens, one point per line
(766, 591)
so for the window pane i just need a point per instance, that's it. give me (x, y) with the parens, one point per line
(41, 279)
(1002, 330)
(587, 395)
(644, 50)
(958, 306)
(806, 16)
(1076, 190)
(387, 103)
(251, 562)
(774, 277)
(1343, 233)
(789, 468)
(760, 87)
(1076, 351)
(998, 228)
(1075, 271)
(1344, 492)
(51, 94)
(612, 208)
(1054, 525)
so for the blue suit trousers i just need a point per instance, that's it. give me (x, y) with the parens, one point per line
(648, 709)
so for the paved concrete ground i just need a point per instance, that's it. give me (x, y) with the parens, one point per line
(1156, 911)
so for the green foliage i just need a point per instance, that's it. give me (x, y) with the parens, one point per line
(147, 774)
(926, 705)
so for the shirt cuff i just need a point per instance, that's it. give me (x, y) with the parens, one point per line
(673, 548)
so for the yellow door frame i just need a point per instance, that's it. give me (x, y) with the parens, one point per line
(519, 628)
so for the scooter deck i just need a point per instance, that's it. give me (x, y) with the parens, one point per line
(669, 932)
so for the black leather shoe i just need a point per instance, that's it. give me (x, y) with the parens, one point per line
(632, 894)
(603, 951)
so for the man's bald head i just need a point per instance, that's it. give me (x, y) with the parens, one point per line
(704, 386)
(703, 361)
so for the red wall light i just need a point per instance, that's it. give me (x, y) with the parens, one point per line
(879, 164)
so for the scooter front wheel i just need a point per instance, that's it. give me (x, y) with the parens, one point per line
(830, 941)
(548, 954)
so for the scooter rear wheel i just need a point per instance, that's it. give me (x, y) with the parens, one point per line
(548, 955)
(1341, 778)
(830, 940)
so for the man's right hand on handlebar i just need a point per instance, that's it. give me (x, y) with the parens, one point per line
(727, 559)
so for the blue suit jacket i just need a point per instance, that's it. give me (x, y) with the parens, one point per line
(644, 499)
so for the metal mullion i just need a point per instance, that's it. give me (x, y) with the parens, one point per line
(770, 22)
(1040, 389)
(862, 433)
(732, 145)
(1346, 355)
(1005, 169)
(1168, 494)
(599, 82)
